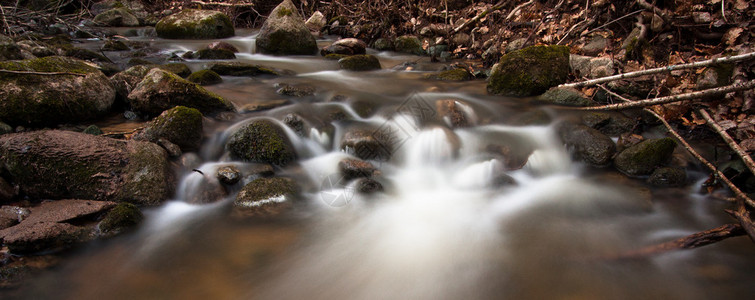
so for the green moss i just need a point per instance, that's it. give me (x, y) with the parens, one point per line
(262, 189)
(213, 25)
(165, 90)
(148, 169)
(241, 69)
(362, 62)
(122, 216)
(180, 125)
(93, 130)
(179, 69)
(451, 75)
(215, 54)
(261, 141)
(284, 12)
(530, 71)
(643, 158)
(408, 44)
(335, 56)
(205, 77)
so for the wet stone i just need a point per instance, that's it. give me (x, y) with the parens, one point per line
(368, 186)
(355, 168)
(229, 175)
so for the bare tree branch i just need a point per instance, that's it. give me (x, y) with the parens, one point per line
(699, 64)
(675, 98)
(691, 241)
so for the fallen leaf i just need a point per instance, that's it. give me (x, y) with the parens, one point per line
(732, 34)
(748, 145)
(741, 5)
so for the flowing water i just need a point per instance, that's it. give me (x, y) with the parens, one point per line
(447, 226)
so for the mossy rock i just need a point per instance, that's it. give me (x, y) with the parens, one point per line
(41, 100)
(161, 90)
(195, 24)
(241, 69)
(284, 33)
(267, 196)
(565, 96)
(139, 62)
(125, 81)
(93, 130)
(334, 56)
(530, 71)
(9, 50)
(587, 144)
(408, 44)
(85, 54)
(180, 125)
(114, 45)
(362, 62)
(179, 69)
(117, 17)
(451, 75)
(205, 77)
(53, 164)
(122, 217)
(383, 44)
(214, 54)
(261, 141)
(5, 128)
(668, 177)
(645, 157)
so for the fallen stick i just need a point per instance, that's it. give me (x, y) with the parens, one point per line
(720, 175)
(699, 64)
(729, 141)
(744, 219)
(675, 98)
(222, 4)
(691, 241)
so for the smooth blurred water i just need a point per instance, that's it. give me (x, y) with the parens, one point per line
(444, 228)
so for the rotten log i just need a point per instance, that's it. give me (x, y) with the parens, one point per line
(675, 98)
(699, 64)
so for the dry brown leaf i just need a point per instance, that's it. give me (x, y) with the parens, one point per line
(741, 5)
(727, 124)
(732, 34)
(748, 145)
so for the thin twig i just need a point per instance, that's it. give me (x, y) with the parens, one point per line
(615, 20)
(699, 64)
(5, 22)
(497, 6)
(675, 98)
(222, 4)
(729, 141)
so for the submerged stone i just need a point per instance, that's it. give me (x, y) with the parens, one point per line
(205, 77)
(587, 144)
(267, 196)
(241, 69)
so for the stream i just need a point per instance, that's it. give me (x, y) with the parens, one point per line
(449, 223)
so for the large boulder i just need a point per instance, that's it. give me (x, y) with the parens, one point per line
(587, 144)
(180, 125)
(52, 164)
(267, 196)
(530, 71)
(49, 226)
(284, 33)
(645, 157)
(161, 90)
(52, 90)
(125, 81)
(205, 77)
(195, 24)
(117, 17)
(262, 141)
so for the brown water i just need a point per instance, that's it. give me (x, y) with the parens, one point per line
(441, 229)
